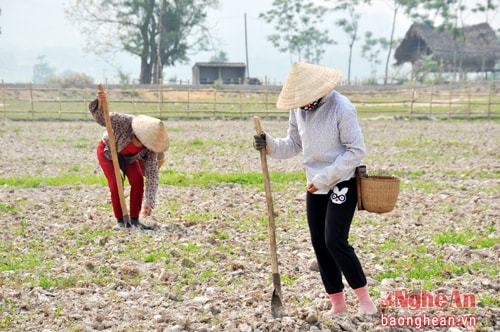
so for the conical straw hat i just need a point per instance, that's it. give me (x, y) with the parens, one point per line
(305, 84)
(151, 132)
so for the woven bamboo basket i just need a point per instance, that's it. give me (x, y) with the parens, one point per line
(379, 193)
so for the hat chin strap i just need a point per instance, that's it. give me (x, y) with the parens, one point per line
(312, 106)
(136, 142)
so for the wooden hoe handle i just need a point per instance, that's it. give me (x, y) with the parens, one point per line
(114, 157)
(270, 210)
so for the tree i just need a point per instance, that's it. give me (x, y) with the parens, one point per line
(397, 4)
(70, 77)
(424, 67)
(371, 51)
(161, 33)
(123, 77)
(485, 7)
(42, 72)
(350, 25)
(220, 56)
(296, 33)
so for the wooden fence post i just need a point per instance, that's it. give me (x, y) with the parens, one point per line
(450, 101)
(431, 97)
(160, 94)
(85, 103)
(412, 98)
(489, 100)
(133, 97)
(4, 102)
(32, 102)
(469, 102)
(215, 101)
(59, 100)
(241, 101)
(267, 95)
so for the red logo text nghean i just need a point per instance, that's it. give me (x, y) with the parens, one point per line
(425, 300)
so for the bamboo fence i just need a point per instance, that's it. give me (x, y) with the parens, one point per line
(451, 101)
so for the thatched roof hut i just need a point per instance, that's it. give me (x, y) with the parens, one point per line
(477, 51)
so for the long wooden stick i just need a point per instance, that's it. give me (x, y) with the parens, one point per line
(272, 227)
(114, 157)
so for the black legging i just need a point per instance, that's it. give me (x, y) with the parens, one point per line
(329, 225)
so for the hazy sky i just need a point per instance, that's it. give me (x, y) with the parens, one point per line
(33, 28)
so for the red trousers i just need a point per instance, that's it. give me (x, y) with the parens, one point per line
(135, 178)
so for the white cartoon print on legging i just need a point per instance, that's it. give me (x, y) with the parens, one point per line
(339, 196)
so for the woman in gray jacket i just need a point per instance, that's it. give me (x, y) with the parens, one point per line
(323, 126)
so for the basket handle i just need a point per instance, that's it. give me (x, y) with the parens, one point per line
(360, 171)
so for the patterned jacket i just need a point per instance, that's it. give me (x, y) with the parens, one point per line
(122, 128)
